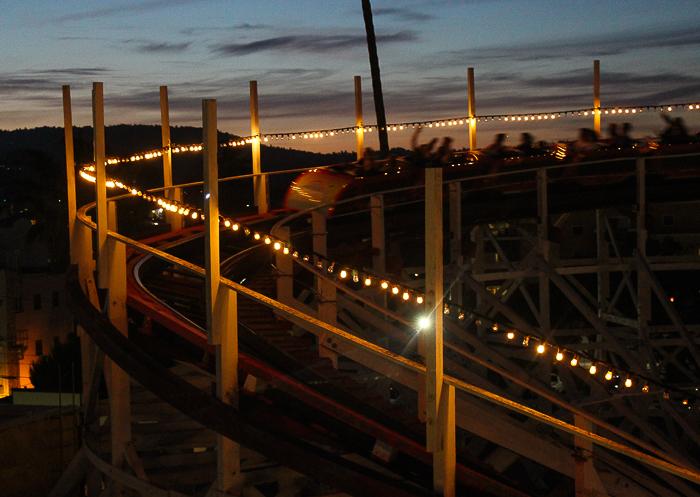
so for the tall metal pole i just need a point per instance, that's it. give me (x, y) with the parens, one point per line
(376, 79)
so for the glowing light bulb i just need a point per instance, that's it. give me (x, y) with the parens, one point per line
(385, 285)
(593, 369)
(419, 300)
(405, 295)
(368, 281)
(235, 227)
(227, 223)
(256, 236)
(423, 323)
(560, 356)
(395, 290)
(510, 335)
(277, 246)
(540, 348)
(285, 250)
(343, 274)
(608, 375)
(574, 361)
(268, 241)
(628, 382)
(194, 215)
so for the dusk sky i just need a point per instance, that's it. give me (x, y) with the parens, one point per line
(528, 56)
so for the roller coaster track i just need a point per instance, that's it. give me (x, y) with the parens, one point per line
(294, 377)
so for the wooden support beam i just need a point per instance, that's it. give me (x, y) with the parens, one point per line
(173, 218)
(119, 386)
(285, 269)
(259, 182)
(472, 109)
(227, 390)
(648, 274)
(327, 298)
(221, 304)
(440, 427)
(98, 130)
(586, 479)
(378, 233)
(359, 119)
(70, 170)
(596, 96)
(211, 215)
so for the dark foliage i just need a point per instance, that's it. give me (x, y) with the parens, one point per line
(63, 363)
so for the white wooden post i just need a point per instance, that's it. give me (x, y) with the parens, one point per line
(98, 130)
(174, 219)
(327, 300)
(456, 257)
(643, 284)
(117, 379)
(259, 182)
(359, 121)
(378, 235)
(596, 96)
(602, 253)
(70, 170)
(543, 248)
(221, 303)
(472, 109)
(439, 411)
(285, 270)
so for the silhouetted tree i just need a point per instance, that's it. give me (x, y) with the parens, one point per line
(376, 79)
(44, 373)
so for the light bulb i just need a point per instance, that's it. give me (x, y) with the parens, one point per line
(574, 361)
(368, 281)
(560, 356)
(593, 369)
(511, 335)
(540, 348)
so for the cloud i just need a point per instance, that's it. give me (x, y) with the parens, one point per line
(193, 31)
(403, 14)
(126, 8)
(144, 46)
(27, 84)
(308, 43)
(605, 45)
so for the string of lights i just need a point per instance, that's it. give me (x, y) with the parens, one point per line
(435, 123)
(349, 274)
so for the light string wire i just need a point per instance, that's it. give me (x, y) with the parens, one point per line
(367, 279)
(435, 123)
